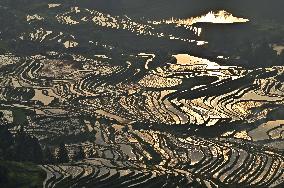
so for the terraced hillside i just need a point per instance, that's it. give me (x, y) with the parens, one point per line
(145, 99)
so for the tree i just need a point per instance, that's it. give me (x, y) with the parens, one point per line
(37, 155)
(79, 155)
(21, 147)
(91, 153)
(48, 156)
(161, 58)
(63, 154)
(264, 54)
(27, 148)
(6, 138)
(1, 115)
(54, 102)
(258, 53)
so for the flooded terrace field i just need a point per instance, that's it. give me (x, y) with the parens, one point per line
(150, 102)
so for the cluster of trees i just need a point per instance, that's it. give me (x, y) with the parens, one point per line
(23, 147)
(260, 54)
(19, 147)
(62, 157)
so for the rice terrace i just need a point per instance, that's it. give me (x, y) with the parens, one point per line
(141, 93)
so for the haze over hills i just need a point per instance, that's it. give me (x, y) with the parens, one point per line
(259, 28)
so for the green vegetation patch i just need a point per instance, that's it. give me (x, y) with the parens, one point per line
(20, 175)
